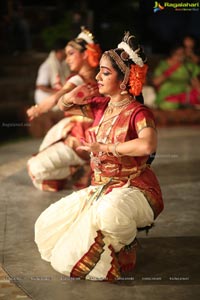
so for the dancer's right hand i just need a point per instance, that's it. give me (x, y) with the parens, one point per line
(33, 112)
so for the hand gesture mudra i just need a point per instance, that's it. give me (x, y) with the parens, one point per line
(91, 145)
(83, 93)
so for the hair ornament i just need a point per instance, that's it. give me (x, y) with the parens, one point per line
(94, 54)
(135, 72)
(127, 37)
(85, 42)
(121, 65)
(86, 35)
(119, 61)
(137, 79)
(124, 56)
(132, 54)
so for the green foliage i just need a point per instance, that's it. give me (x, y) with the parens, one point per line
(60, 30)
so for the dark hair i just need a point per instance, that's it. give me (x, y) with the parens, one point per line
(122, 56)
(130, 63)
(140, 98)
(120, 74)
(83, 44)
(80, 43)
(134, 45)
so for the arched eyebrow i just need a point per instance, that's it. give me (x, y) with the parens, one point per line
(108, 69)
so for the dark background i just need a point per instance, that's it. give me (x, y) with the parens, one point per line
(107, 18)
(28, 29)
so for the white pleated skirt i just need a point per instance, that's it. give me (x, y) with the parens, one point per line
(79, 233)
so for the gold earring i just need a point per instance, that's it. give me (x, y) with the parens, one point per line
(123, 88)
(124, 92)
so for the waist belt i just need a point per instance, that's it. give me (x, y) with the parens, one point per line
(101, 179)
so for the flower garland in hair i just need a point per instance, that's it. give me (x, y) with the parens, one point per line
(94, 53)
(137, 78)
(132, 54)
(86, 35)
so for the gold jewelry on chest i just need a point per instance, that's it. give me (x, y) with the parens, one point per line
(112, 105)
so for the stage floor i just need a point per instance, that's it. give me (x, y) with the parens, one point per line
(168, 261)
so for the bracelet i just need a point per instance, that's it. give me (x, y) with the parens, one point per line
(114, 150)
(36, 111)
(67, 105)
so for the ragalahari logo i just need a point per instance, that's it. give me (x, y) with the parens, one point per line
(177, 6)
(157, 7)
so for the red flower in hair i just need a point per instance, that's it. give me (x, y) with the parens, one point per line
(94, 54)
(137, 79)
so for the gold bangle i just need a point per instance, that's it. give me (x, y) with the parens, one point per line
(67, 105)
(36, 111)
(108, 152)
(114, 151)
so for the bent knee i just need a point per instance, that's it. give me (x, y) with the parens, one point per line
(35, 168)
(112, 218)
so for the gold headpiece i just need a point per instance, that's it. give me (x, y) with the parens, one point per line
(121, 65)
(86, 35)
(134, 74)
(133, 55)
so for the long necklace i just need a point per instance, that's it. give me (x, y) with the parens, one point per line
(111, 105)
(95, 160)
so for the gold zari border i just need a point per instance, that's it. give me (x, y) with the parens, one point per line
(90, 259)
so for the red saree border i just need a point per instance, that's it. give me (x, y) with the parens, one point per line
(88, 261)
(114, 272)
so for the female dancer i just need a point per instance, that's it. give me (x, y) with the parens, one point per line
(90, 234)
(58, 159)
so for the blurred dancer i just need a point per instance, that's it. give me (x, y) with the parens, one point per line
(58, 159)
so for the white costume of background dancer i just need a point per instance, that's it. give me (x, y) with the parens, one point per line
(58, 159)
(55, 157)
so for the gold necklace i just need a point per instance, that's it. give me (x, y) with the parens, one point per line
(112, 105)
